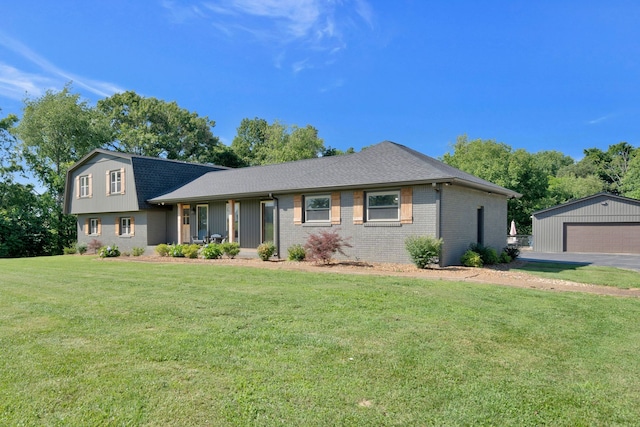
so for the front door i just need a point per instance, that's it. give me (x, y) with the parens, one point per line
(186, 227)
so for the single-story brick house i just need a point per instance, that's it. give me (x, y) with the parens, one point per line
(377, 198)
(601, 223)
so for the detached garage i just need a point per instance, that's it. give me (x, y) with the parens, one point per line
(603, 223)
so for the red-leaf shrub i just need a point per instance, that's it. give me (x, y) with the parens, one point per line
(320, 247)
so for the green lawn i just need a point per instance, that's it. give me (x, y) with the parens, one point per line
(91, 342)
(592, 274)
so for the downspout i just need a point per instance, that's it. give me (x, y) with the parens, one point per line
(438, 190)
(276, 223)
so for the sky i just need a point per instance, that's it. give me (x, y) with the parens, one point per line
(539, 75)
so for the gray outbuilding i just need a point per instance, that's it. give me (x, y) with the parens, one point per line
(602, 223)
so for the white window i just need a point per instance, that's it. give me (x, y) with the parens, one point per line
(383, 206)
(317, 208)
(115, 182)
(125, 226)
(84, 186)
(94, 226)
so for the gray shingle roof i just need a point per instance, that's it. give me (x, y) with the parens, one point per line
(383, 164)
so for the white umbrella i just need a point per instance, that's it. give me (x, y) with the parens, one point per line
(512, 240)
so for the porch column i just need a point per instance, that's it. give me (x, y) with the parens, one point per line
(232, 220)
(179, 239)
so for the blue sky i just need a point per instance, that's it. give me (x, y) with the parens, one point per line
(539, 75)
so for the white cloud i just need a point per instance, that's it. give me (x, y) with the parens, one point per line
(14, 81)
(299, 27)
(600, 119)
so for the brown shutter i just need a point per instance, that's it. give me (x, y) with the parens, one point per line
(358, 207)
(122, 183)
(90, 185)
(297, 209)
(406, 205)
(77, 187)
(335, 208)
(117, 224)
(99, 226)
(131, 229)
(108, 184)
(86, 227)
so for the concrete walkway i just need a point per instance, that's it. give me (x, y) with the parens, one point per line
(628, 261)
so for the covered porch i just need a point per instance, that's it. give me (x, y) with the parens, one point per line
(248, 222)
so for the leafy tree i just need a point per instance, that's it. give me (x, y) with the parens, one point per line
(630, 184)
(156, 128)
(56, 130)
(551, 162)
(569, 187)
(259, 143)
(612, 165)
(498, 163)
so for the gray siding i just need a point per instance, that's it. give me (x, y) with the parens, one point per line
(376, 242)
(250, 223)
(156, 227)
(548, 226)
(218, 218)
(108, 234)
(99, 200)
(459, 221)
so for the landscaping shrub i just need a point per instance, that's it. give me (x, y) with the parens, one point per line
(489, 255)
(266, 250)
(136, 251)
(231, 249)
(296, 253)
(211, 251)
(71, 250)
(423, 250)
(109, 252)
(505, 258)
(190, 251)
(94, 245)
(322, 246)
(176, 251)
(162, 249)
(125, 253)
(512, 251)
(81, 248)
(471, 259)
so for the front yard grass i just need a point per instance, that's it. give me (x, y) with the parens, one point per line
(591, 274)
(95, 342)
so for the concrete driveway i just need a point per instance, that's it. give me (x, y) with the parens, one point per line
(628, 261)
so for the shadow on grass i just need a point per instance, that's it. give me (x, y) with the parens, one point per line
(551, 266)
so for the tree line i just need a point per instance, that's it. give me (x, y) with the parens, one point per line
(59, 128)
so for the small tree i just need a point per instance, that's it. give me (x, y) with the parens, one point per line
(322, 246)
(423, 250)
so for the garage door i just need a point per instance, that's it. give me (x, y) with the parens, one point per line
(614, 238)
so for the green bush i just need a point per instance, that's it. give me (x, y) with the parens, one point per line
(136, 251)
(190, 251)
(231, 249)
(162, 249)
(423, 250)
(176, 251)
(109, 252)
(489, 255)
(505, 258)
(71, 250)
(266, 250)
(471, 259)
(296, 253)
(81, 248)
(211, 251)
